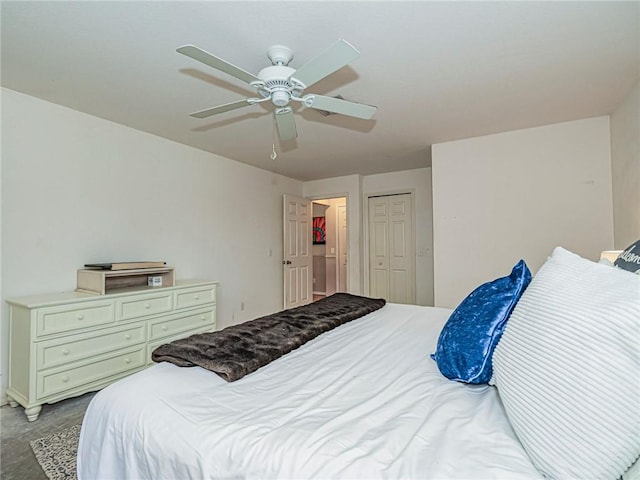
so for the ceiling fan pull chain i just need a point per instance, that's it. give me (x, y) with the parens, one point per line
(274, 154)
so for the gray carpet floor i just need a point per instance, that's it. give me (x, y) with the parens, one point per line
(17, 461)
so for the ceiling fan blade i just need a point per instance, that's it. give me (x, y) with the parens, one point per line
(286, 123)
(335, 105)
(217, 63)
(334, 58)
(221, 108)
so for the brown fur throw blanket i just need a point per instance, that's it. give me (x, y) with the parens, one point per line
(241, 349)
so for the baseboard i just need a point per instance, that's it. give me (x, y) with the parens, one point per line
(320, 293)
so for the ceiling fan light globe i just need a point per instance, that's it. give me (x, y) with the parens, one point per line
(280, 98)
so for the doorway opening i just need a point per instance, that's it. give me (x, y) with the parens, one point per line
(330, 247)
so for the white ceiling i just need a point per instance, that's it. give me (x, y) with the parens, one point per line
(438, 71)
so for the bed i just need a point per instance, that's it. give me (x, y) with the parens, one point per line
(364, 400)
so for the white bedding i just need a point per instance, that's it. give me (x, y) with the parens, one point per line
(363, 401)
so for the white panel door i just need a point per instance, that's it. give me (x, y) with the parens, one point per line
(297, 259)
(378, 247)
(401, 257)
(391, 255)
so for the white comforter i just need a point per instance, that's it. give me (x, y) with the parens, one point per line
(363, 401)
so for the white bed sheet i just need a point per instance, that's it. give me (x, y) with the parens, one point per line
(363, 401)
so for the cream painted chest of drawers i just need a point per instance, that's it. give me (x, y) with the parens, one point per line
(68, 344)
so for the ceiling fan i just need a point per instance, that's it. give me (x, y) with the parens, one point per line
(281, 84)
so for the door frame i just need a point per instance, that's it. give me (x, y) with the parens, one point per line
(365, 234)
(347, 198)
(339, 248)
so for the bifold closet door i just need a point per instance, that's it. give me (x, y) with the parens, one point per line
(391, 255)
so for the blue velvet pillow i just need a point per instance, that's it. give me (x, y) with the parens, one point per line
(467, 340)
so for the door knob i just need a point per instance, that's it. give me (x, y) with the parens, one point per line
(286, 262)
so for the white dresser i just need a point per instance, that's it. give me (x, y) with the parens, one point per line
(67, 344)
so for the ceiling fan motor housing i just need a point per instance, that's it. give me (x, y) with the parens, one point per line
(277, 84)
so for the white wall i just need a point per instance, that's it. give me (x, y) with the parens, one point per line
(500, 198)
(79, 189)
(418, 182)
(625, 166)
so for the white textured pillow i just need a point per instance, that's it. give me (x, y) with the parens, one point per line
(633, 473)
(568, 368)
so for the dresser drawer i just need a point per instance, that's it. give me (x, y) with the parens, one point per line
(66, 318)
(56, 381)
(192, 297)
(151, 346)
(60, 351)
(143, 305)
(191, 321)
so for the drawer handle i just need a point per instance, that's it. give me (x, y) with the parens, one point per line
(127, 360)
(127, 337)
(147, 306)
(80, 316)
(65, 351)
(65, 379)
(203, 317)
(196, 297)
(164, 328)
